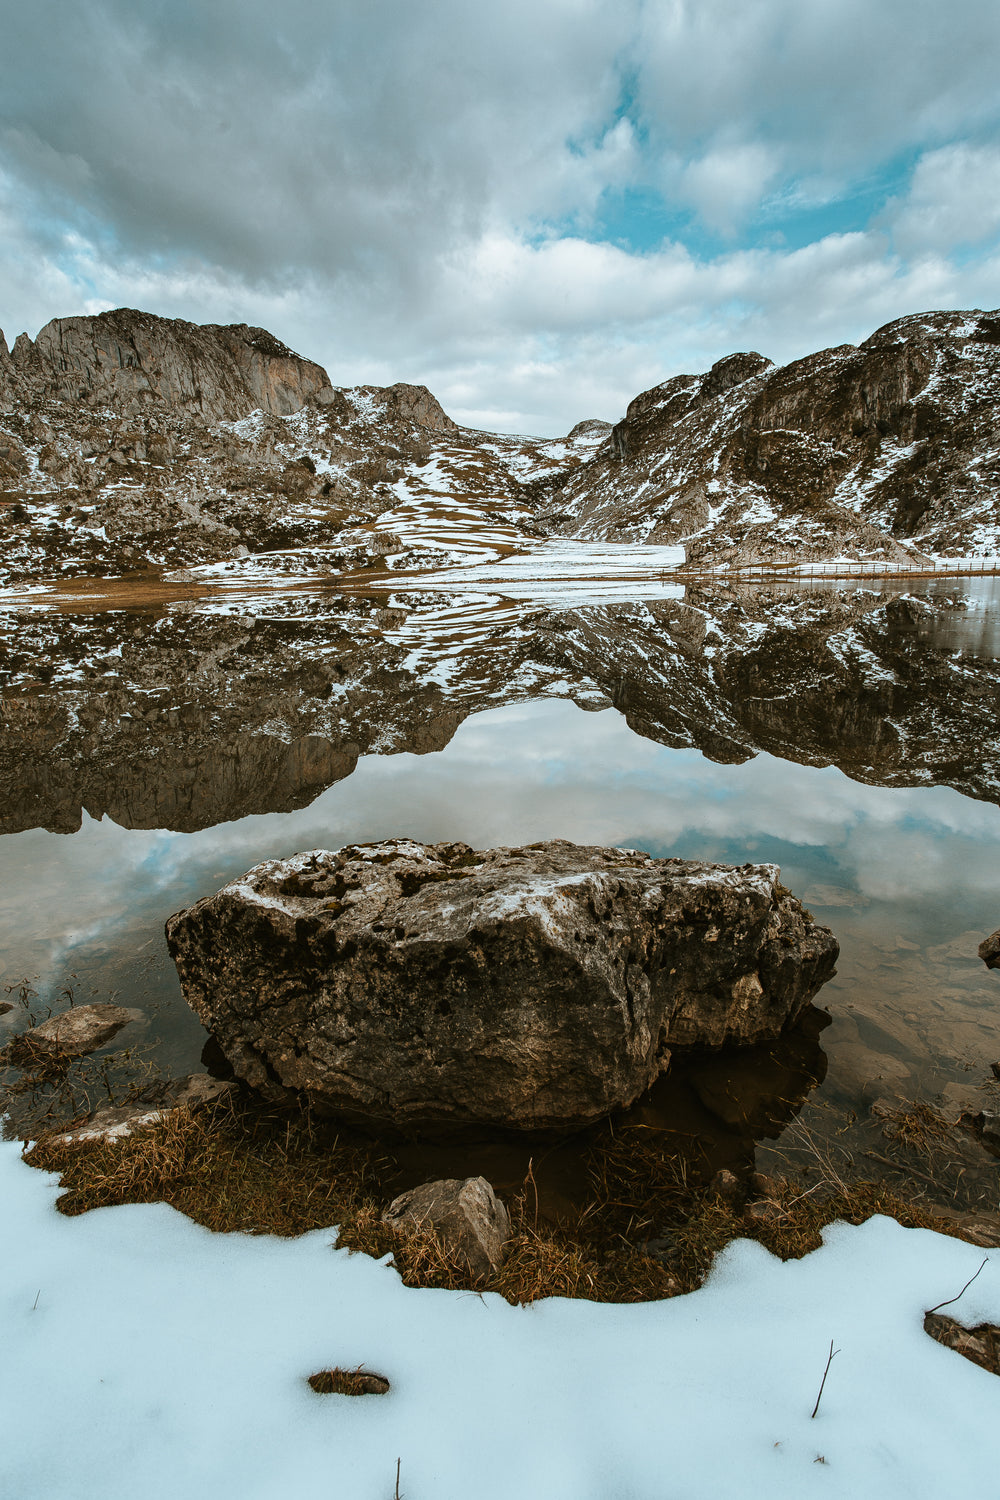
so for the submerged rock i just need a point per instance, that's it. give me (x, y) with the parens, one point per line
(467, 1217)
(81, 1029)
(533, 988)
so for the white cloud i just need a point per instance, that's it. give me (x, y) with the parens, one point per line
(833, 87)
(728, 183)
(387, 187)
(953, 200)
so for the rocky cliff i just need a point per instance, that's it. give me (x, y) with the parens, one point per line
(130, 442)
(877, 450)
(133, 362)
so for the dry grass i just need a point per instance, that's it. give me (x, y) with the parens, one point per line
(37, 1063)
(235, 1170)
(919, 1126)
(337, 1382)
(222, 1166)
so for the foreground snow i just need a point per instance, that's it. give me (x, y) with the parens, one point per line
(144, 1355)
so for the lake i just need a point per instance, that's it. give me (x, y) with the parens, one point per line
(849, 735)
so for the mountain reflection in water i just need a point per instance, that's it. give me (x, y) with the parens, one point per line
(849, 737)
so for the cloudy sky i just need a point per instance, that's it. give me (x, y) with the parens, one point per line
(536, 207)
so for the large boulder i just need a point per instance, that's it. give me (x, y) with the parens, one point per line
(534, 988)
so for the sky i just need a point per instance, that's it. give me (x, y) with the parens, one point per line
(537, 208)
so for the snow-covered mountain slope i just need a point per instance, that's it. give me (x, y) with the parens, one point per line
(130, 443)
(134, 444)
(869, 451)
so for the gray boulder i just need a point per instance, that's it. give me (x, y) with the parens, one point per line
(534, 988)
(465, 1215)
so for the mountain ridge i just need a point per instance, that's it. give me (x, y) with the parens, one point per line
(132, 442)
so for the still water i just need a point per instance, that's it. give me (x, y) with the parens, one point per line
(908, 877)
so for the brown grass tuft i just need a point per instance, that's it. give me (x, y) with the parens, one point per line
(919, 1126)
(337, 1382)
(39, 1064)
(648, 1233)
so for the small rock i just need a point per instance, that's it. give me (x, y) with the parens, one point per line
(5, 1007)
(765, 1211)
(995, 1069)
(884, 1109)
(189, 1092)
(989, 1129)
(981, 1345)
(764, 1186)
(108, 1125)
(202, 1088)
(726, 1186)
(81, 1029)
(663, 1248)
(466, 1216)
(958, 1099)
(112, 1123)
(981, 1229)
(989, 950)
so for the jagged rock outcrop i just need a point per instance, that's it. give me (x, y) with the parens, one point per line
(414, 403)
(532, 988)
(590, 427)
(854, 450)
(132, 361)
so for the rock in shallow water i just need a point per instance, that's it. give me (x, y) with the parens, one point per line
(117, 1121)
(534, 988)
(81, 1029)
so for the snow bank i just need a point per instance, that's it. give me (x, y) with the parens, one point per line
(144, 1355)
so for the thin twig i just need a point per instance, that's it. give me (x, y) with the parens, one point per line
(904, 1171)
(829, 1362)
(397, 1495)
(814, 1189)
(961, 1293)
(530, 1177)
